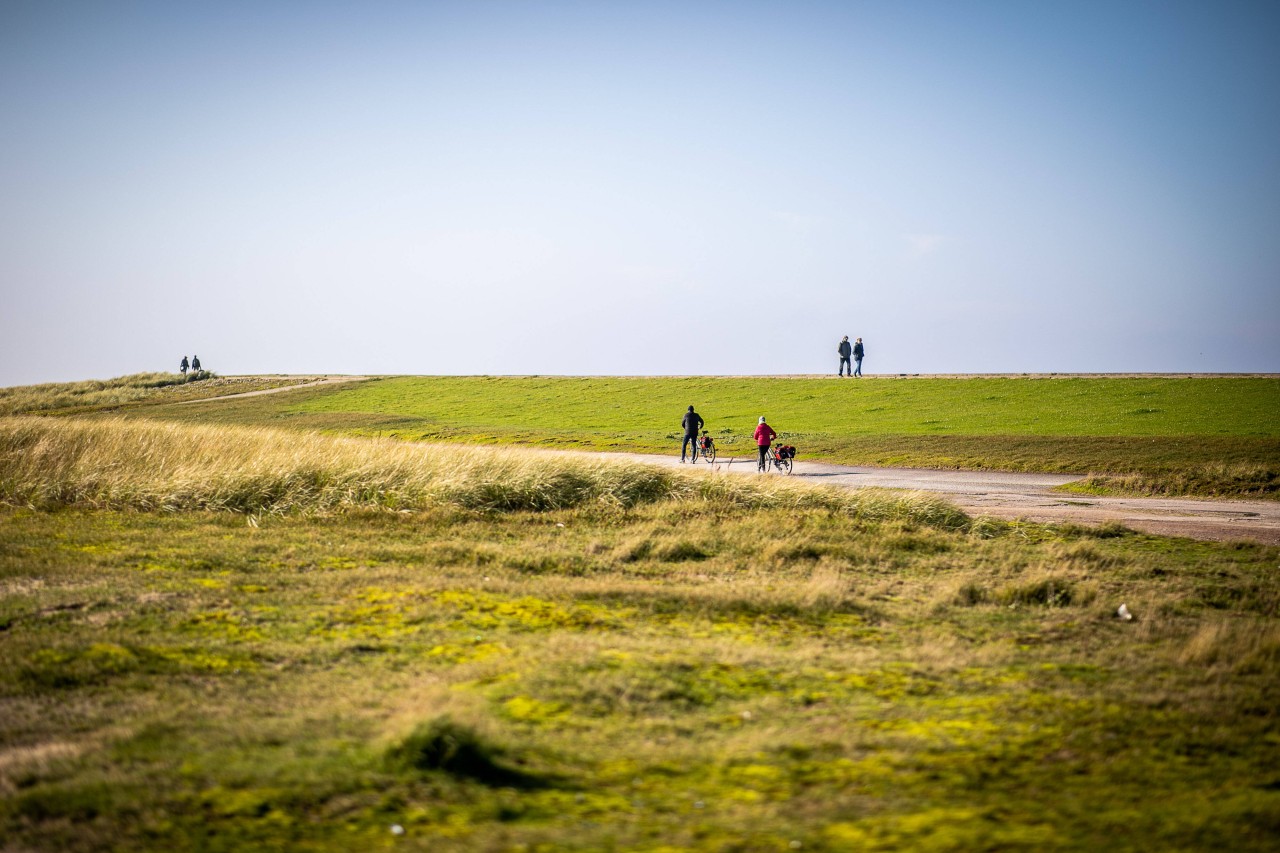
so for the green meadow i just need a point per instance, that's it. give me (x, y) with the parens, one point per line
(260, 625)
(679, 677)
(1153, 435)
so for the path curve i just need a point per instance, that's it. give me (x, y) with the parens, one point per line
(1029, 496)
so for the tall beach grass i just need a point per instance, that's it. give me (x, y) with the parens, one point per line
(118, 463)
(91, 392)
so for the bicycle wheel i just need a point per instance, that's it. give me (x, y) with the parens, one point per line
(709, 454)
(785, 465)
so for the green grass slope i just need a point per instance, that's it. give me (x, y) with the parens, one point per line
(1145, 407)
(1197, 435)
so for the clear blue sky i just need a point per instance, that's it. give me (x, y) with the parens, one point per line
(637, 188)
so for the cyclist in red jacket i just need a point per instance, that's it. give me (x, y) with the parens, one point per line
(764, 437)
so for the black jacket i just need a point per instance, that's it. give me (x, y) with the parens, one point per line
(844, 349)
(692, 423)
(858, 351)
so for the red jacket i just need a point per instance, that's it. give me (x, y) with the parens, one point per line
(765, 435)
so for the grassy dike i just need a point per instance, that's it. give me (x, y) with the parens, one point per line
(1146, 435)
(229, 638)
(125, 392)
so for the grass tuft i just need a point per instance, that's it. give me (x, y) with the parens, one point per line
(442, 745)
(971, 593)
(1243, 646)
(1046, 591)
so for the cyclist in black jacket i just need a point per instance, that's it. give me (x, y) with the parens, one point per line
(692, 423)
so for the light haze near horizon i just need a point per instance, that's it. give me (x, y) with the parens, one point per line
(638, 188)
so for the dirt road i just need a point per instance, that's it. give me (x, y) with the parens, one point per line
(1030, 497)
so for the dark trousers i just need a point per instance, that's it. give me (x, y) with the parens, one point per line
(689, 439)
(764, 457)
(844, 363)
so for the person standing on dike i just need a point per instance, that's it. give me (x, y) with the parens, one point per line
(764, 437)
(692, 423)
(845, 351)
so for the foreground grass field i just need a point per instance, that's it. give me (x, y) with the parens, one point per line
(1150, 435)
(227, 639)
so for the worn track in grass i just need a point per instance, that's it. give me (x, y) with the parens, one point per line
(319, 380)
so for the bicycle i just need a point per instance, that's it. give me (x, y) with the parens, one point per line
(781, 455)
(707, 448)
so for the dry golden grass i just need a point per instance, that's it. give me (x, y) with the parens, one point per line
(26, 762)
(1235, 644)
(117, 463)
(92, 392)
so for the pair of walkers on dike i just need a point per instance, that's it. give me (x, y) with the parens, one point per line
(693, 422)
(855, 351)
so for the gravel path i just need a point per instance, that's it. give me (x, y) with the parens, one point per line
(1030, 497)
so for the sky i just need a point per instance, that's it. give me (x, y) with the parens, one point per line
(638, 188)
